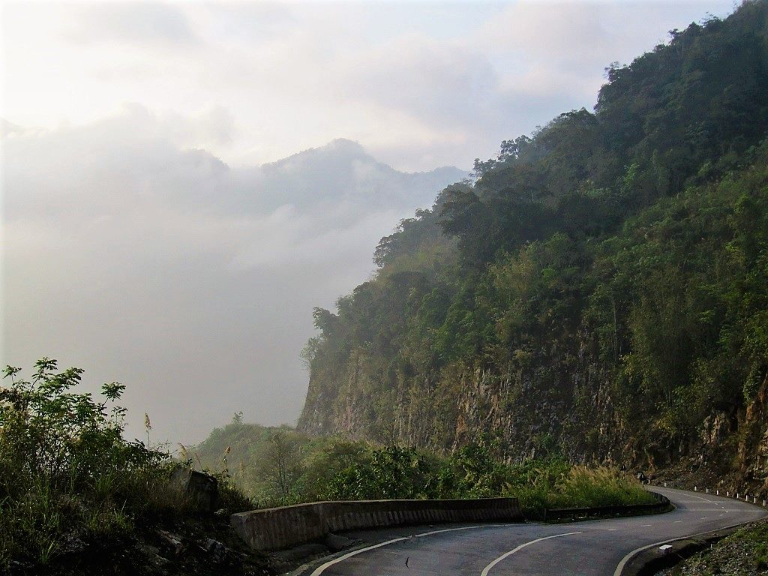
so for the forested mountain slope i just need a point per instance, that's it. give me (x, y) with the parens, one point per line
(600, 289)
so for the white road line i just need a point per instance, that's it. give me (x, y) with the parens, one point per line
(487, 569)
(705, 500)
(626, 558)
(456, 529)
(320, 569)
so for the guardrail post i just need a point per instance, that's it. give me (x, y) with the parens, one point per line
(718, 492)
(707, 490)
(695, 489)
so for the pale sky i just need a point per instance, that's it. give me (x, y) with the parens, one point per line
(141, 240)
(418, 84)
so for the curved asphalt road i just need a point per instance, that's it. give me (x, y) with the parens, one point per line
(592, 548)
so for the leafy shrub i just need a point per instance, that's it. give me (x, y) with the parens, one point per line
(66, 473)
(386, 473)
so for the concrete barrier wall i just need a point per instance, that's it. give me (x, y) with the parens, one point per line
(662, 504)
(276, 528)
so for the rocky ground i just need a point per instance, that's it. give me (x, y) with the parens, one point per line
(744, 553)
(202, 546)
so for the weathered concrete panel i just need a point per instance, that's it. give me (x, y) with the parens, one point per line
(276, 528)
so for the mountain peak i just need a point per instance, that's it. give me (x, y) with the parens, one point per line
(345, 146)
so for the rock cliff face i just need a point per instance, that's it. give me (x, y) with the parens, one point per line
(753, 441)
(531, 411)
(530, 408)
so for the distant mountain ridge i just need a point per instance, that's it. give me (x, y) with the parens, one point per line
(343, 170)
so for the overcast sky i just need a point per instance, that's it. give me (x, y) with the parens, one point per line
(144, 240)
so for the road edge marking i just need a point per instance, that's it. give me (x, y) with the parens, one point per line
(320, 569)
(487, 569)
(628, 557)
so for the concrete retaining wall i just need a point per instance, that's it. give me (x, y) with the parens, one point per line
(276, 528)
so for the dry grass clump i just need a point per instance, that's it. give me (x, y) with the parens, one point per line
(600, 486)
(556, 486)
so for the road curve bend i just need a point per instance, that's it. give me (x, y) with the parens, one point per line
(591, 548)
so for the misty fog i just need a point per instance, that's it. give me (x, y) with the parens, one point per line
(189, 281)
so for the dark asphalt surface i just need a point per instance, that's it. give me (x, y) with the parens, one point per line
(591, 548)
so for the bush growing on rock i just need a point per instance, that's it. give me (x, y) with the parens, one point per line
(68, 478)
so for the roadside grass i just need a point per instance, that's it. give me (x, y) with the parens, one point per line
(600, 486)
(581, 487)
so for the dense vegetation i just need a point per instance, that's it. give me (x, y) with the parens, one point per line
(70, 483)
(602, 285)
(278, 466)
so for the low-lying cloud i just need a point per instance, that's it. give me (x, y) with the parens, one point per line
(190, 281)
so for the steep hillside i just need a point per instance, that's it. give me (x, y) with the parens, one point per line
(600, 290)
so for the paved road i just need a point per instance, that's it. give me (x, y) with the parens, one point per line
(593, 548)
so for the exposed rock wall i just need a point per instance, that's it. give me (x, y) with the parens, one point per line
(529, 407)
(753, 444)
(562, 404)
